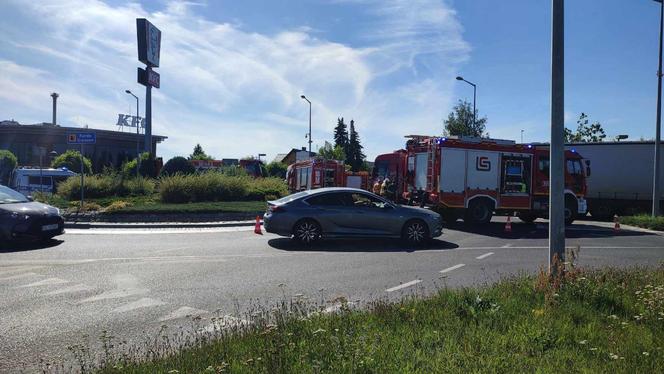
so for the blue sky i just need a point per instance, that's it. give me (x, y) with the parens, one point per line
(232, 71)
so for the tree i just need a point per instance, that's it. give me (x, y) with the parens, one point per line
(146, 169)
(71, 160)
(199, 154)
(176, 165)
(585, 133)
(8, 163)
(332, 153)
(341, 135)
(354, 157)
(276, 169)
(460, 122)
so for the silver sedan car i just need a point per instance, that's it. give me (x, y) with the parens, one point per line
(336, 212)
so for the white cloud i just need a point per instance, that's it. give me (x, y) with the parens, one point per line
(237, 92)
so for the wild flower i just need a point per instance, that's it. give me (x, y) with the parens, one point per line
(645, 353)
(583, 342)
(613, 356)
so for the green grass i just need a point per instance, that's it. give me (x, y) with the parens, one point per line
(608, 321)
(645, 221)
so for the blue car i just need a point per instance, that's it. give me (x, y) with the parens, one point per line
(335, 212)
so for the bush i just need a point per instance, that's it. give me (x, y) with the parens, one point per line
(105, 185)
(276, 169)
(116, 206)
(177, 165)
(71, 160)
(215, 186)
(146, 169)
(8, 163)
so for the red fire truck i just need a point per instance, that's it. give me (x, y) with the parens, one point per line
(392, 166)
(317, 173)
(471, 178)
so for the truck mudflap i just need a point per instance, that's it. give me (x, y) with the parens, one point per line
(582, 204)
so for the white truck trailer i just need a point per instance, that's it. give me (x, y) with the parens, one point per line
(621, 177)
(28, 180)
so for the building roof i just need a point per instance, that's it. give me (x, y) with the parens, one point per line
(49, 129)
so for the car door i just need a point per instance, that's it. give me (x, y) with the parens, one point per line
(332, 211)
(372, 216)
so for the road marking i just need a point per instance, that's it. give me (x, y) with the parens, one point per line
(183, 312)
(484, 256)
(18, 276)
(45, 282)
(507, 245)
(458, 266)
(145, 302)
(17, 269)
(404, 285)
(224, 322)
(71, 289)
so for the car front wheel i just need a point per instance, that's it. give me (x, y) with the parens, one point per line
(415, 232)
(307, 232)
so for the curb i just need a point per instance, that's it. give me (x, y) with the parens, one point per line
(156, 225)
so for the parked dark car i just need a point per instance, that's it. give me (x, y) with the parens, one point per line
(347, 212)
(22, 218)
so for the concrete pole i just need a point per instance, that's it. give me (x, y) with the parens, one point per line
(557, 149)
(148, 115)
(658, 129)
(54, 95)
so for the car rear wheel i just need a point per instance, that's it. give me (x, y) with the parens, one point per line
(415, 232)
(307, 231)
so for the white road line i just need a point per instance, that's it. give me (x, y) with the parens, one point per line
(45, 282)
(484, 256)
(155, 231)
(508, 245)
(115, 294)
(145, 302)
(18, 276)
(404, 285)
(183, 312)
(71, 289)
(458, 266)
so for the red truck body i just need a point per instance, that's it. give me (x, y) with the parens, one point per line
(392, 166)
(316, 173)
(475, 177)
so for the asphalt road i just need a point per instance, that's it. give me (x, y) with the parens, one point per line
(131, 282)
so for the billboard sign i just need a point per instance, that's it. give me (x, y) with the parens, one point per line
(82, 138)
(124, 121)
(148, 77)
(149, 42)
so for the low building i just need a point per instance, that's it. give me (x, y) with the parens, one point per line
(112, 148)
(296, 155)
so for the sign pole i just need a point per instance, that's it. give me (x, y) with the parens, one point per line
(148, 116)
(82, 178)
(557, 149)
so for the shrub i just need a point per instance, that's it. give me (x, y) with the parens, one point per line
(146, 169)
(116, 206)
(215, 186)
(71, 160)
(8, 163)
(276, 169)
(139, 186)
(177, 165)
(267, 189)
(100, 185)
(175, 189)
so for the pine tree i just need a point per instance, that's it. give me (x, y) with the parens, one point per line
(354, 157)
(341, 135)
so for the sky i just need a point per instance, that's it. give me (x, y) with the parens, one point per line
(232, 72)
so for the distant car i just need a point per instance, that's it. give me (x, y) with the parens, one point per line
(347, 212)
(22, 218)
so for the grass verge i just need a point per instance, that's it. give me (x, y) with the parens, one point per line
(644, 221)
(597, 321)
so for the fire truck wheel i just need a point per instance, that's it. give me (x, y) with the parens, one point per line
(527, 217)
(478, 211)
(307, 231)
(415, 232)
(571, 210)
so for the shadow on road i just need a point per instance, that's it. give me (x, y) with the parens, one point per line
(540, 230)
(20, 246)
(357, 245)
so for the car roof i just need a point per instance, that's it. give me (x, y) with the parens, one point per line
(335, 189)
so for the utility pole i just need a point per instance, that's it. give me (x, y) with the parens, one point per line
(305, 98)
(658, 129)
(459, 78)
(557, 149)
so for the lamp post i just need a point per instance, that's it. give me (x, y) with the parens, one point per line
(658, 129)
(261, 155)
(474, 96)
(305, 98)
(521, 136)
(138, 137)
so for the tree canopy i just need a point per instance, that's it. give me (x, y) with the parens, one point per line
(585, 133)
(341, 135)
(460, 121)
(329, 152)
(199, 154)
(177, 165)
(276, 169)
(71, 160)
(355, 156)
(8, 163)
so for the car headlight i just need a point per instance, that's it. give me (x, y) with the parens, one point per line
(18, 216)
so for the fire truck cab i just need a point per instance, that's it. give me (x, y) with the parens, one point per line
(317, 173)
(473, 178)
(392, 166)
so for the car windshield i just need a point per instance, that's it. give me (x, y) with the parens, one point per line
(9, 196)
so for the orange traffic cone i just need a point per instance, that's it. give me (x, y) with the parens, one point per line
(508, 224)
(616, 223)
(257, 229)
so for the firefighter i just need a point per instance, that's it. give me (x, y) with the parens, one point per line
(391, 191)
(383, 187)
(376, 187)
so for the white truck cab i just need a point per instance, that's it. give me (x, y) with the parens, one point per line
(29, 180)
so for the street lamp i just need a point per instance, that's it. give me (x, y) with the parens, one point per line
(138, 137)
(259, 156)
(305, 98)
(459, 78)
(621, 137)
(655, 183)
